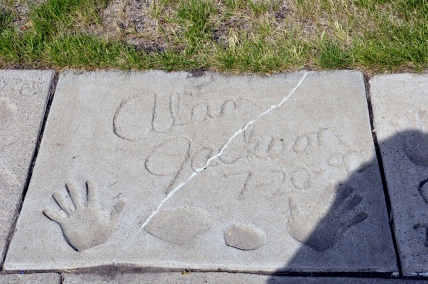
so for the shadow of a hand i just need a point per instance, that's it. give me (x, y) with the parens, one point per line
(324, 234)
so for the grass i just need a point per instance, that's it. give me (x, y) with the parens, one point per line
(270, 36)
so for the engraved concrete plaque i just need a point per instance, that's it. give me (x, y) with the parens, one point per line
(211, 172)
(23, 96)
(400, 107)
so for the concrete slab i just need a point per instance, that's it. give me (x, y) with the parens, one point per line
(225, 278)
(23, 96)
(400, 104)
(152, 170)
(36, 278)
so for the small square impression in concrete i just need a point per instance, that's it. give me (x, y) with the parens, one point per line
(23, 97)
(400, 107)
(173, 171)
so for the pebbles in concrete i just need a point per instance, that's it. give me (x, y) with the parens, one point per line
(400, 107)
(23, 97)
(153, 169)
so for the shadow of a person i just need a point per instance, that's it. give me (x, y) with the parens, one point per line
(348, 217)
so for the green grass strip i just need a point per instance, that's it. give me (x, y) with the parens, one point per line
(393, 38)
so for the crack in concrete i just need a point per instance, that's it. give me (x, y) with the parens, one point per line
(219, 154)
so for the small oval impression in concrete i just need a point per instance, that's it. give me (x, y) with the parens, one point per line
(244, 237)
(179, 225)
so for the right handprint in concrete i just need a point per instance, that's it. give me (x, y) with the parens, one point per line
(305, 227)
(318, 193)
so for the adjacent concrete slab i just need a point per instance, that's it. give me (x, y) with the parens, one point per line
(400, 104)
(152, 169)
(23, 96)
(37, 278)
(225, 278)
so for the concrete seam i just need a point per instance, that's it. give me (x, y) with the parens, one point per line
(382, 172)
(51, 92)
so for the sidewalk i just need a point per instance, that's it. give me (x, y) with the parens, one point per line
(128, 177)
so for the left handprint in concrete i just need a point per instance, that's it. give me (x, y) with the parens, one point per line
(84, 225)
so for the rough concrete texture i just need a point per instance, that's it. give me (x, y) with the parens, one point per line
(302, 176)
(400, 104)
(23, 96)
(224, 278)
(37, 278)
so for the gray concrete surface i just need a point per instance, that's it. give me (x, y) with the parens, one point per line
(224, 278)
(174, 171)
(35, 278)
(400, 104)
(23, 98)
